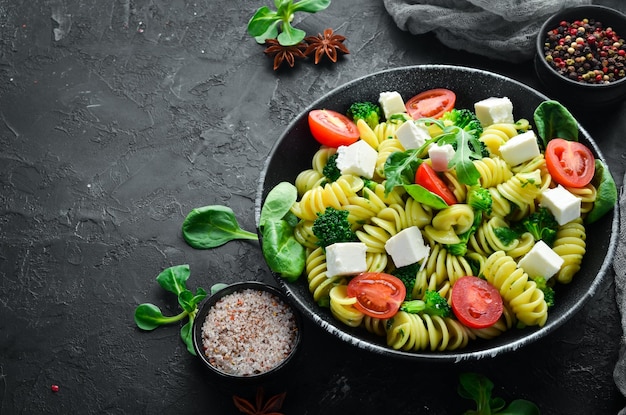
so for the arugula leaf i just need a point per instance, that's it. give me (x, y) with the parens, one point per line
(400, 168)
(462, 162)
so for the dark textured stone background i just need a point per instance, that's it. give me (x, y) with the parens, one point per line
(120, 116)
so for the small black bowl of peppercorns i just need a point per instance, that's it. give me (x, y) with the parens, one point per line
(581, 56)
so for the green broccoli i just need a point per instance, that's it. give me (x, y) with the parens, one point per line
(433, 304)
(407, 275)
(367, 111)
(541, 224)
(468, 122)
(480, 199)
(330, 170)
(506, 235)
(333, 226)
(548, 292)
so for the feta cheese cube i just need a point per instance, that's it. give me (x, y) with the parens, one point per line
(440, 156)
(358, 158)
(391, 103)
(564, 205)
(407, 247)
(521, 148)
(541, 261)
(412, 135)
(345, 258)
(494, 110)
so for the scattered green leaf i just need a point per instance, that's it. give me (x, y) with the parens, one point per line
(553, 120)
(212, 226)
(479, 388)
(606, 193)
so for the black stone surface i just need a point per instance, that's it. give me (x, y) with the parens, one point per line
(119, 117)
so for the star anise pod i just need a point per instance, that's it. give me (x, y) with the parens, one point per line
(270, 407)
(327, 43)
(284, 53)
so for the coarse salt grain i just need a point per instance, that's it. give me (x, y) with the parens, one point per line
(248, 332)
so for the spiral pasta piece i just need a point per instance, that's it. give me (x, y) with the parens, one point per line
(517, 289)
(307, 180)
(414, 332)
(571, 246)
(342, 306)
(522, 189)
(319, 282)
(493, 171)
(485, 240)
(320, 158)
(375, 325)
(494, 135)
(303, 232)
(385, 149)
(334, 195)
(587, 196)
(504, 323)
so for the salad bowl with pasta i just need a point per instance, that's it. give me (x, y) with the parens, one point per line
(425, 269)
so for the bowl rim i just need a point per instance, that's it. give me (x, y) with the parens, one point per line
(550, 23)
(208, 302)
(453, 356)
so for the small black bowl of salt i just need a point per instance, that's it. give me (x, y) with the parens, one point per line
(247, 331)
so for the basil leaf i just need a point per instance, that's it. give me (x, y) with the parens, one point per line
(425, 196)
(554, 120)
(281, 250)
(212, 226)
(173, 279)
(606, 193)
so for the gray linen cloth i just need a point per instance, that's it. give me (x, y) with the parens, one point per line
(502, 29)
(619, 265)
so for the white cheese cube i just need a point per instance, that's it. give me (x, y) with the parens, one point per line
(564, 205)
(520, 148)
(407, 247)
(391, 103)
(358, 158)
(440, 156)
(345, 258)
(541, 261)
(412, 135)
(494, 110)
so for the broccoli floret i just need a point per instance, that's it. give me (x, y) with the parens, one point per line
(333, 226)
(505, 235)
(432, 304)
(465, 119)
(542, 225)
(548, 292)
(330, 170)
(480, 199)
(367, 111)
(407, 275)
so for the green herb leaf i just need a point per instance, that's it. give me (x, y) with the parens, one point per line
(149, 317)
(186, 334)
(217, 287)
(462, 162)
(553, 120)
(400, 168)
(606, 192)
(173, 279)
(212, 226)
(425, 196)
(278, 202)
(310, 6)
(282, 251)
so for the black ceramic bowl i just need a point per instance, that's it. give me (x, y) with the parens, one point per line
(573, 92)
(294, 150)
(204, 310)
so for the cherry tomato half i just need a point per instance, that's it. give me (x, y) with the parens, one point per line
(475, 302)
(431, 104)
(427, 177)
(570, 163)
(332, 128)
(377, 294)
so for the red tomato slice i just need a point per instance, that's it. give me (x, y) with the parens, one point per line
(431, 104)
(332, 128)
(378, 294)
(427, 177)
(475, 302)
(570, 163)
